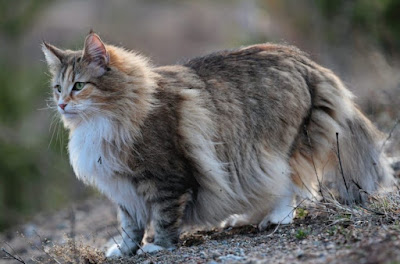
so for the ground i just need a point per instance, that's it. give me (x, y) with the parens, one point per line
(323, 232)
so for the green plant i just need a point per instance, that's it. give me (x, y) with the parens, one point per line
(302, 234)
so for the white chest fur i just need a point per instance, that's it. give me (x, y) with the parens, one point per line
(98, 168)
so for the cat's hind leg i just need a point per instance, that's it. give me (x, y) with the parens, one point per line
(236, 220)
(282, 213)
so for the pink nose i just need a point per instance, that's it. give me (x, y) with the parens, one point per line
(62, 106)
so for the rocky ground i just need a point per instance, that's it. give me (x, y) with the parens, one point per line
(322, 233)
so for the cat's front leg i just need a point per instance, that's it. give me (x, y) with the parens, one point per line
(167, 213)
(132, 234)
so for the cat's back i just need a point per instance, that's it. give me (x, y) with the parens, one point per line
(249, 61)
(245, 94)
(243, 68)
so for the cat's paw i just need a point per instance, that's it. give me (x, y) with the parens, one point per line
(282, 215)
(121, 249)
(235, 220)
(275, 219)
(114, 251)
(149, 248)
(152, 248)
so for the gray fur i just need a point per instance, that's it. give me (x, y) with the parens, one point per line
(239, 132)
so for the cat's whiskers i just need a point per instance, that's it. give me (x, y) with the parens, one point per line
(54, 125)
(53, 120)
(49, 104)
(58, 128)
(47, 107)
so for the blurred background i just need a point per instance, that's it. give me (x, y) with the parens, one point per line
(358, 39)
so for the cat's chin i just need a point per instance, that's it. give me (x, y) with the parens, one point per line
(69, 115)
(71, 120)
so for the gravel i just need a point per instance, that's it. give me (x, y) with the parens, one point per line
(326, 233)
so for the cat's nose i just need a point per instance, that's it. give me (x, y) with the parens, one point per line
(62, 106)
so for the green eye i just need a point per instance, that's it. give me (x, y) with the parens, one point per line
(58, 87)
(78, 86)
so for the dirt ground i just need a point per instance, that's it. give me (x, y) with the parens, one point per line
(321, 233)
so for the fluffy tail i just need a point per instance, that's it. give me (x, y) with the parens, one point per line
(339, 151)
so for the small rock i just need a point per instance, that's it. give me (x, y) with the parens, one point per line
(215, 254)
(30, 230)
(330, 246)
(299, 253)
(230, 257)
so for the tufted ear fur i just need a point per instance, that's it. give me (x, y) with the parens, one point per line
(54, 56)
(95, 52)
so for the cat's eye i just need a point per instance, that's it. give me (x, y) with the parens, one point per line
(58, 88)
(78, 86)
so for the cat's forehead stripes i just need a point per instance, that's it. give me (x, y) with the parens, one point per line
(64, 76)
(73, 70)
(62, 71)
(68, 70)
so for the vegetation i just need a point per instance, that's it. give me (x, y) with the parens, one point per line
(35, 175)
(378, 20)
(34, 171)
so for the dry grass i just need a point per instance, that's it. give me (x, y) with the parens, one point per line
(76, 251)
(323, 232)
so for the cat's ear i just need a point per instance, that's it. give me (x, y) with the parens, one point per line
(54, 56)
(95, 51)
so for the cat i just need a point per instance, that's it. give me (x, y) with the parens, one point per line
(237, 134)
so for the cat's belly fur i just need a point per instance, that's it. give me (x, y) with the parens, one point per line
(96, 168)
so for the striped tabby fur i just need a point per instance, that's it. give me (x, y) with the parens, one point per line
(234, 136)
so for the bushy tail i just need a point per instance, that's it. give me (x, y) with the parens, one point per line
(363, 167)
(340, 151)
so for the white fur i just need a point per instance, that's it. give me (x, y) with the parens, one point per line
(114, 251)
(96, 167)
(236, 220)
(122, 249)
(235, 193)
(151, 248)
(283, 213)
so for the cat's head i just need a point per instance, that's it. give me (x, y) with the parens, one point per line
(100, 80)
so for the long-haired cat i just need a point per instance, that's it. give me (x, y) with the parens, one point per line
(235, 133)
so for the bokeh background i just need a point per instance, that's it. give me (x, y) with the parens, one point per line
(358, 39)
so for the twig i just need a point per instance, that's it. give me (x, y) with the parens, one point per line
(12, 256)
(390, 133)
(372, 211)
(13, 250)
(146, 253)
(276, 229)
(116, 228)
(313, 162)
(115, 242)
(42, 247)
(340, 162)
(280, 222)
(72, 233)
(339, 221)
